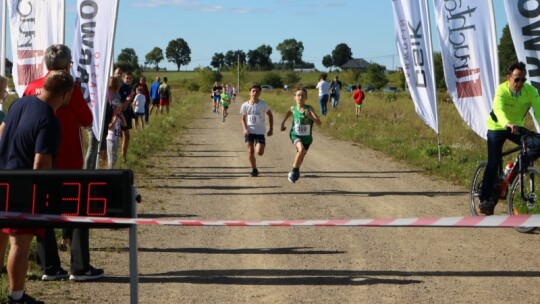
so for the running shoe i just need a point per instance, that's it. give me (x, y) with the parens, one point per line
(254, 173)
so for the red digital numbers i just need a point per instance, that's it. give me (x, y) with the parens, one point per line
(96, 203)
(76, 199)
(4, 189)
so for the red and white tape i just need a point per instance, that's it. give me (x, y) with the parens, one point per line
(465, 221)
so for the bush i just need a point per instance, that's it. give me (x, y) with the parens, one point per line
(273, 79)
(193, 87)
(206, 79)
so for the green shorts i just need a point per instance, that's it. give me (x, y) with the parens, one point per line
(358, 106)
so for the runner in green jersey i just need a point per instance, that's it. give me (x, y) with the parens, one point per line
(301, 130)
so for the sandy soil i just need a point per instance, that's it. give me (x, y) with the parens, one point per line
(204, 175)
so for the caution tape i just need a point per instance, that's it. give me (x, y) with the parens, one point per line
(465, 221)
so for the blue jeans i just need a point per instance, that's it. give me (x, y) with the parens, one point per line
(323, 100)
(335, 101)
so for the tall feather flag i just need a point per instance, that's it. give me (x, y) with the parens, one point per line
(3, 37)
(92, 54)
(524, 23)
(413, 41)
(469, 53)
(34, 26)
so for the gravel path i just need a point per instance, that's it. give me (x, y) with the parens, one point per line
(204, 175)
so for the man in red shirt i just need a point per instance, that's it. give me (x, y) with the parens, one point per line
(70, 156)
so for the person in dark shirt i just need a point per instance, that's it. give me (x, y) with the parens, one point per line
(29, 139)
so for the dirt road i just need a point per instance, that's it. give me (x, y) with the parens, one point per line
(204, 175)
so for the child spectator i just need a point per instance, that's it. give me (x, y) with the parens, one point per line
(139, 103)
(118, 121)
(358, 97)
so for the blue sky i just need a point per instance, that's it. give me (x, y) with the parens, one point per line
(211, 26)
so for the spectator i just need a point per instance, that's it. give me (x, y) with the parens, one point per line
(139, 102)
(117, 121)
(127, 94)
(324, 89)
(30, 137)
(358, 97)
(69, 156)
(155, 95)
(146, 93)
(335, 90)
(165, 96)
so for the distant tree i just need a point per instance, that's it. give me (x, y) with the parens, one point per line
(154, 57)
(291, 51)
(507, 52)
(260, 58)
(178, 52)
(341, 54)
(127, 60)
(206, 78)
(375, 76)
(327, 61)
(218, 61)
(439, 71)
(231, 58)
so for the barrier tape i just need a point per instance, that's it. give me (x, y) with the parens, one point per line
(465, 221)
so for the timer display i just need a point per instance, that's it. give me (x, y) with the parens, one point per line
(95, 193)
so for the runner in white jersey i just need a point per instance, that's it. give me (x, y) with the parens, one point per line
(254, 113)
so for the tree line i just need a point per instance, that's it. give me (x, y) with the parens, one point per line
(291, 50)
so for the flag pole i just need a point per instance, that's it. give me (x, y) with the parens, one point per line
(3, 39)
(433, 81)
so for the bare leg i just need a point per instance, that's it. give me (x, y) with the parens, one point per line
(300, 154)
(18, 260)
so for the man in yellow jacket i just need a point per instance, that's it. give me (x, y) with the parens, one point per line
(513, 98)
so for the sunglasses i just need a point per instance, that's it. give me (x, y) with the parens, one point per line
(518, 79)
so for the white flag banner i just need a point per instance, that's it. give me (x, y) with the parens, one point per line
(469, 53)
(413, 41)
(34, 26)
(92, 53)
(524, 23)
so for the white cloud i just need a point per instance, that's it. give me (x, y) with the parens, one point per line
(198, 6)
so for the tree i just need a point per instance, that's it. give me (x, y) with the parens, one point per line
(241, 73)
(507, 52)
(375, 76)
(291, 51)
(231, 58)
(154, 57)
(178, 51)
(127, 60)
(341, 54)
(327, 61)
(260, 58)
(218, 61)
(439, 71)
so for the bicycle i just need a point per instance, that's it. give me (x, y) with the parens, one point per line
(522, 197)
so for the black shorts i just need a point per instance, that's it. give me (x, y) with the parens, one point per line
(255, 138)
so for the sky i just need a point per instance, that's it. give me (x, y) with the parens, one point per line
(212, 26)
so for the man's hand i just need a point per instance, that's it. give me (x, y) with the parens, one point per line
(513, 128)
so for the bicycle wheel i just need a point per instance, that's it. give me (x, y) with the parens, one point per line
(476, 185)
(528, 203)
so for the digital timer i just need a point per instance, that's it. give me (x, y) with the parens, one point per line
(95, 193)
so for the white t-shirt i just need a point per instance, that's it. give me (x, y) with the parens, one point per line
(139, 102)
(324, 87)
(255, 116)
